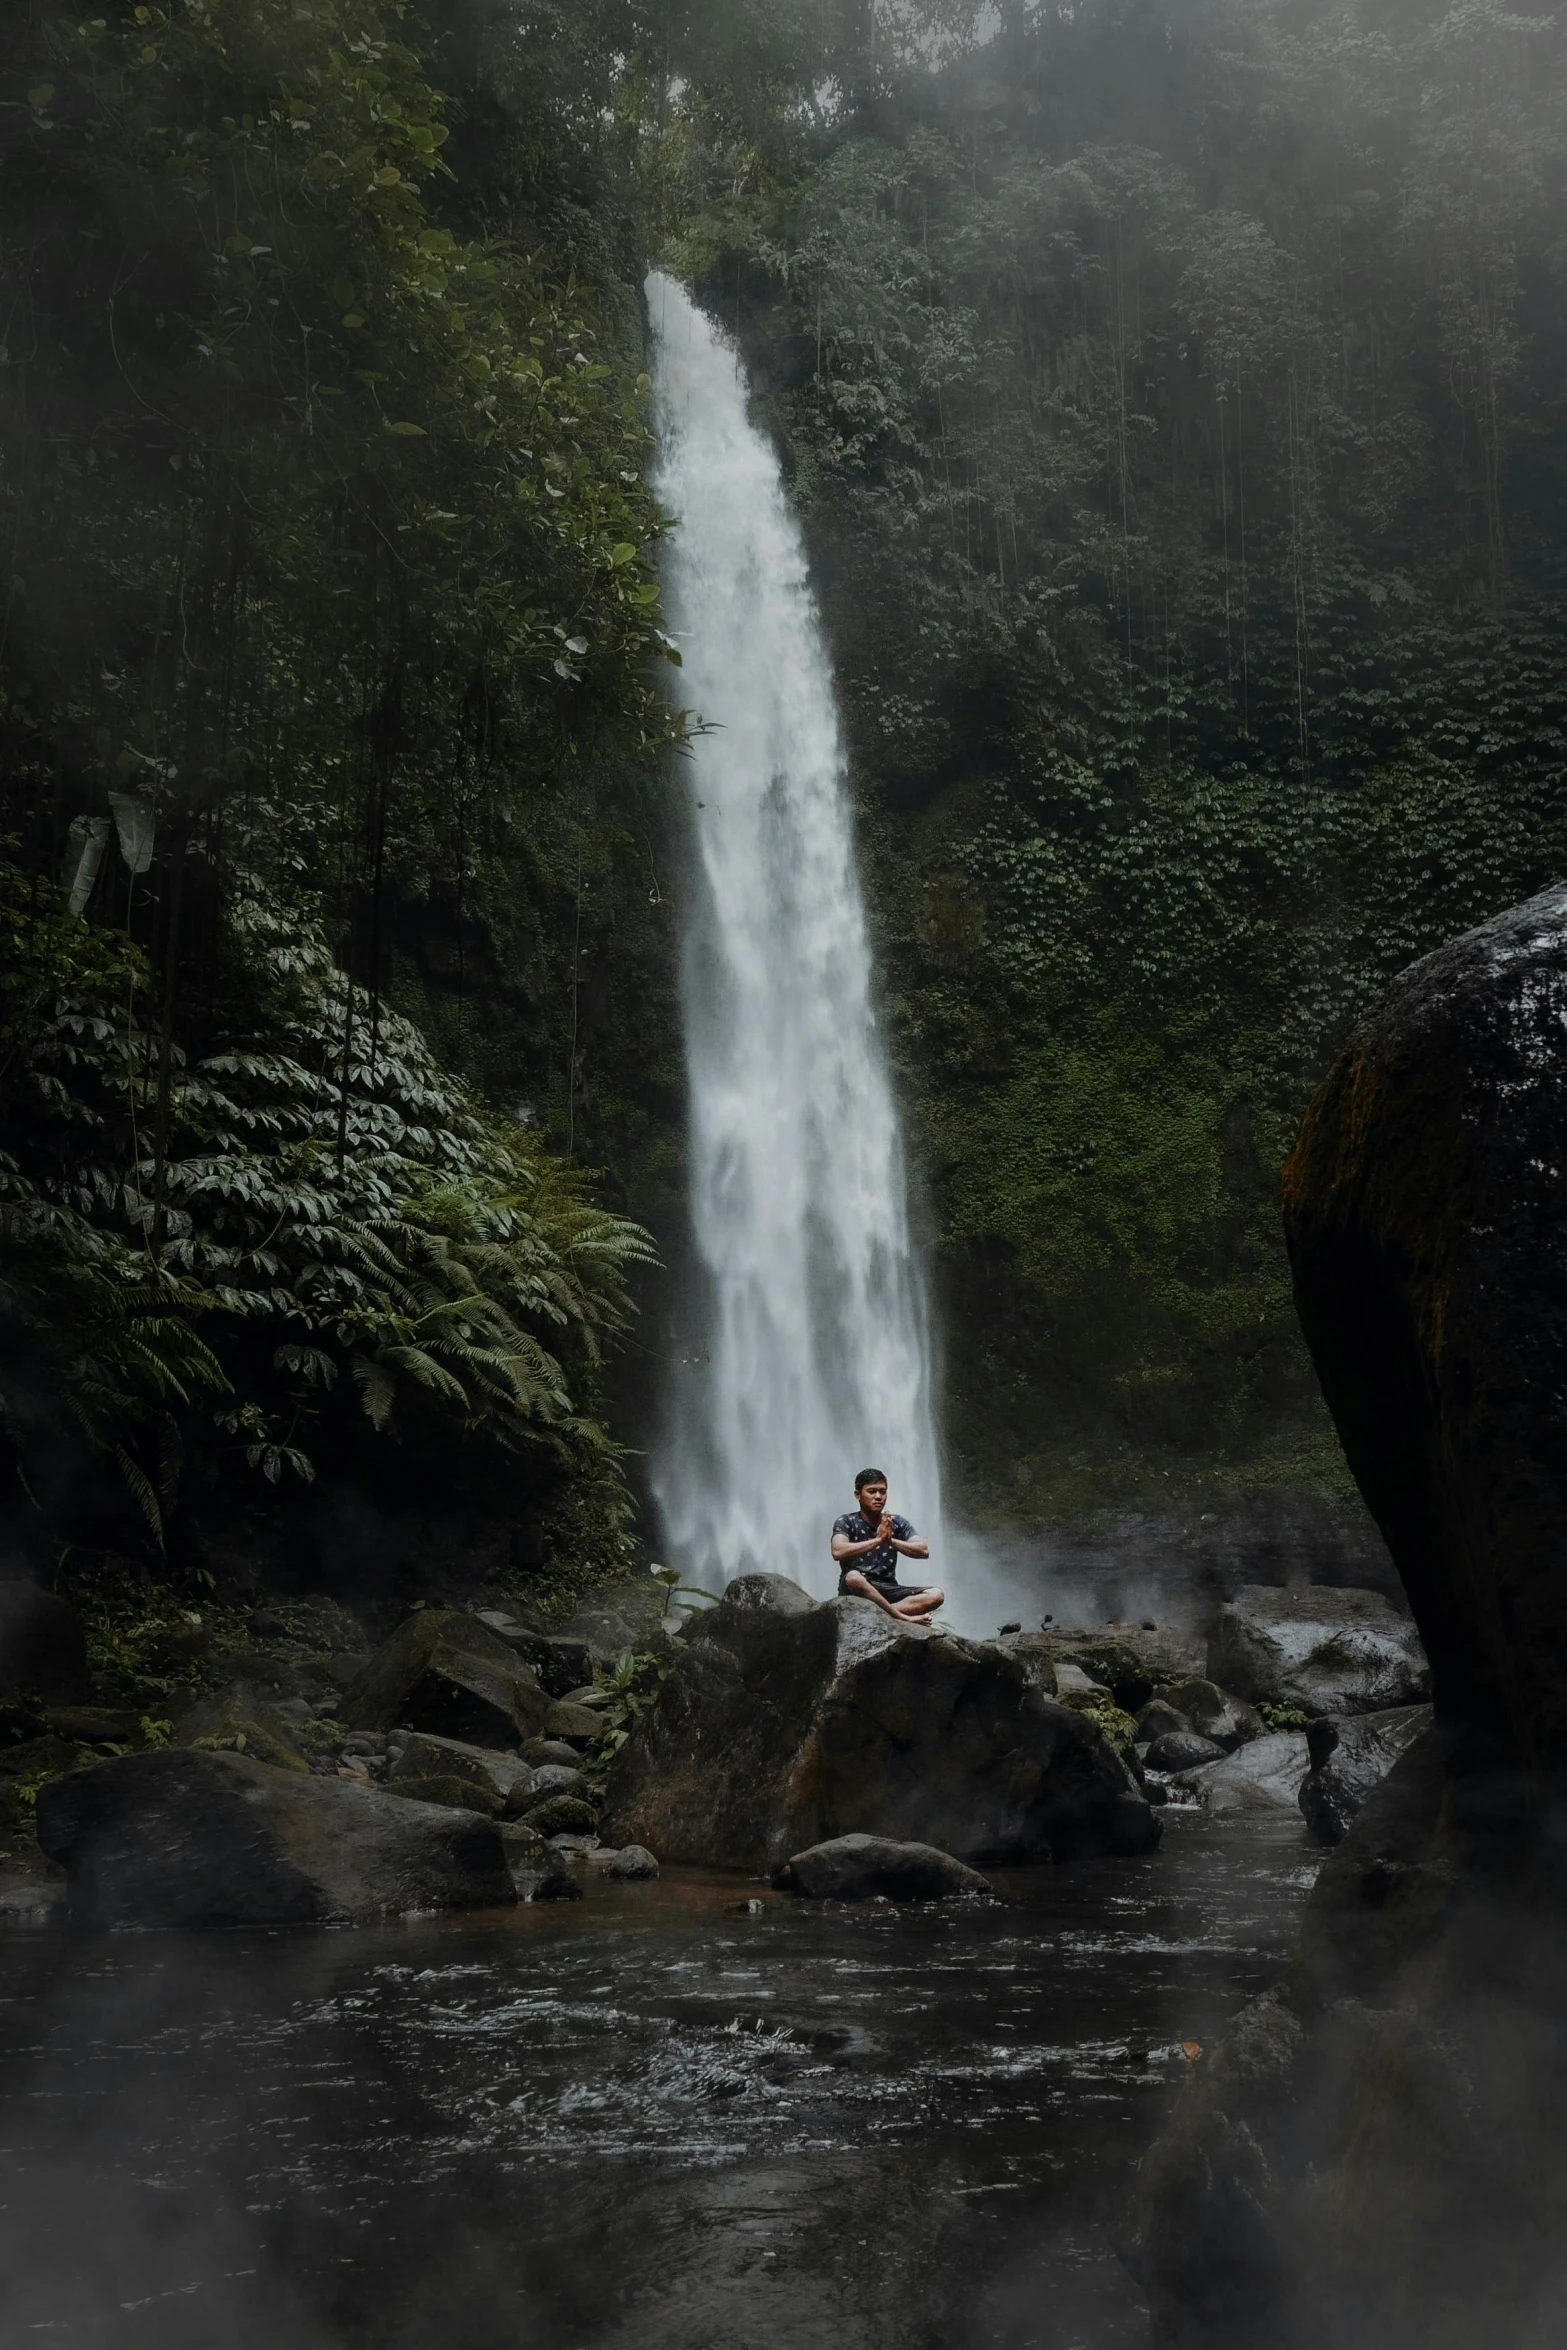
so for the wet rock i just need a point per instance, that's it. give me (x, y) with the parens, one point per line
(28, 1899)
(570, 1721)
(1264, 1775)
(179, 1838)
(241, 1720)
(538, 1871)
(422, 1756)
(785, 1723)
(1035, 1652)
(1350, 1757)
(1423, 1213)
(1159, 1720)
(1181, 1750)
(43, 1652)
(857, 1868)
(1209, 2243)
(562, 1815)
(445, 1788)
(632, 1863)
(1327, 1652)
(1213, 1713)
(447, 1673)
(557, 1779)
(541, 1751)
(90, 1725)
(1128, 1659)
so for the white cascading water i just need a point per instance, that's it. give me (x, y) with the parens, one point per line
(812, 1358)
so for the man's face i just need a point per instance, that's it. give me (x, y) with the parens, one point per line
(873, 1500)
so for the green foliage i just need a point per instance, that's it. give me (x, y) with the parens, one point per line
(329, 689)
(1181, 446)
(341, 1216)
(634, 1681)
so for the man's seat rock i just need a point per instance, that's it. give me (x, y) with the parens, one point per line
(785, 1723)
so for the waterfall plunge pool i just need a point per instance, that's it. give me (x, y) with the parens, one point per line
(645, 2118)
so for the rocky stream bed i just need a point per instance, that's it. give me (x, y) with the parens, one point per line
(687, 2114)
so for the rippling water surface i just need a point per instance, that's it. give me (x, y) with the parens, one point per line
(649, 2117)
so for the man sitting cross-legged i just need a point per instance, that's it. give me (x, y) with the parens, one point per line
(866, 1543)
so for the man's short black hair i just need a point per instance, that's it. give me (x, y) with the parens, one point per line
(869, 1477)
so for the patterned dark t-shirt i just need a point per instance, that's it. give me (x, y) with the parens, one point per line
(881, 1564)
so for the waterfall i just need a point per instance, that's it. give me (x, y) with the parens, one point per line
(809, 1357)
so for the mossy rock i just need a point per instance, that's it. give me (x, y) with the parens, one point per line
(562, 1815)
(237, 1721)
(569, 1719)
(1101, 1709)
(453, 1793)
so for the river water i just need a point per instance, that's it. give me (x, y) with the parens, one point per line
(648, 2117)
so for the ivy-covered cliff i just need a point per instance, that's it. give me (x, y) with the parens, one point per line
(1172, 391)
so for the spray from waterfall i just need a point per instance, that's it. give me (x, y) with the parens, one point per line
(809, 1356)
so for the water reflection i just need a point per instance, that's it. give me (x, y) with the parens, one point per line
(641, 2118)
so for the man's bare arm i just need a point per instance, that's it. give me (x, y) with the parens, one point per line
(843, 1548)
(916, 1548)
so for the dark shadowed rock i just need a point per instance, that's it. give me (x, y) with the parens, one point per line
(1424, 1212)
(1213, 1713)
(1210, 2243)
(241, 1720)
(445, 1672)
(1325, 1652)
(632, 1864)
(559, 1662)
(857, 1868)
(1181, 1750)
(540, 1752)
(185, 1839)
(1398, 2174)
(1159, 1720)
(785, 1723)
(538, 1871)
(42, 1650)
(561, 1815)
(1349, 1757)
(556, 1779)
(573, 1723)
(1263, 1775)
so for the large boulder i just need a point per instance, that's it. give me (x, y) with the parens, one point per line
(785, 1723)
(1348, 1758)
(1379, 2157)
(1324, 1652)
(1263, 1775)
(445, 1672)
(1427, 1229)
(42, 1649)
(1213, 1713)
(185, 1839)
(241, 1720)
(420, 1756)
(859, 1868)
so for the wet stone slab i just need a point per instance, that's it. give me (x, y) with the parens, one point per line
(649, 2117)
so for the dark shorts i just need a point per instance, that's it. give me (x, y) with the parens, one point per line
(891, 1592)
